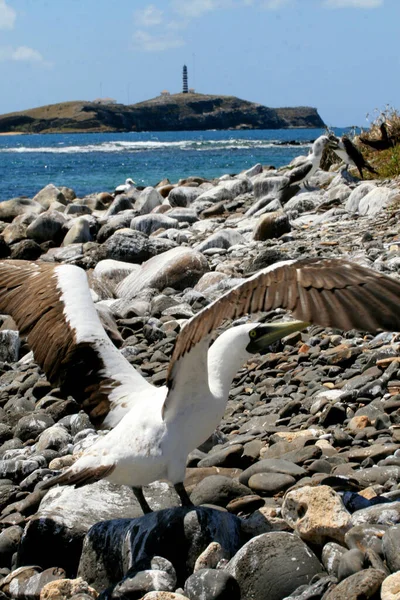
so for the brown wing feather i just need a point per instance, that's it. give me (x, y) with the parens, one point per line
(310, 288)
(29, 292)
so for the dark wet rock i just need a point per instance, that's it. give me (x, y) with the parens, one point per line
(267, 484)
(261, 566)
(365, 584)
(25, 250)
(271, 465)
(210, 584)
(113, 547)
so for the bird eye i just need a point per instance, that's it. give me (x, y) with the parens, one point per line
(253, 333)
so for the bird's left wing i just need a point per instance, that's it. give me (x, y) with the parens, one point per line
(328, 292)
(52, 306)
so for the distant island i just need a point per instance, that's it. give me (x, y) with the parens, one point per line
(167, 112)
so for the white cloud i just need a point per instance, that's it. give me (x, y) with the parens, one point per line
(22, 54)
(353, 3)
(7, 16)
(155, 43)
(148, 17)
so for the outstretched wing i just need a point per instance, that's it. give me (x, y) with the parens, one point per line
(52, 306)
(328, 292)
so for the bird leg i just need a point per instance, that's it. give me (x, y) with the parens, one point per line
(142, 500)
(182, 493)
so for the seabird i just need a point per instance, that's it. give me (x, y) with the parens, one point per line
(301, 174)
(125, 187)
(350, 154)
(153, 429)
(384, 143)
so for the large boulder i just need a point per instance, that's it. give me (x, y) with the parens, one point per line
(114, 550)
(63, 519)
(179, 267)
(48, 195)
(48, 226)
(272, 565)
(18, 206)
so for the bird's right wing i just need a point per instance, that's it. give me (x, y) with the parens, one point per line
(327, 292)
(52, 306)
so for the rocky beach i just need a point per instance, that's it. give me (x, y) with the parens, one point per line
(297, 493)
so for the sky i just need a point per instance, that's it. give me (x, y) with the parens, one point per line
(340, 56)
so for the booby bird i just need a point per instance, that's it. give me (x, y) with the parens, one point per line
(301, 174)
(350, 154)
(384, 143)
(124, 187)
(152, 429)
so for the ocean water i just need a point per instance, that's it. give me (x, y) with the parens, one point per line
(92, 162)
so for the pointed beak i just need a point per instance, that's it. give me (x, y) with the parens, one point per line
(268, 333)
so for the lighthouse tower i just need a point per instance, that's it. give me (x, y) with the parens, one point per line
(185, 80)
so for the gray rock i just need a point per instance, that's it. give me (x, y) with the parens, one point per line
(183, 195)
(353, 201)
(179, 268)
(150, 223)
(350, 562)
(269, 485)
(119, 204)
(9, 541)
(261, 566)
(48, 195)
(210, 584)
(376, 200)
(18, 206)
(149, 198)
(218, 490)
(331, 556)
(133, 246)
(79, 233)
(30, 426)
(221, 239)
(9, 345)
(76, 209)
(390, 547)
(47, 227)
(141, 583)
(272, 465)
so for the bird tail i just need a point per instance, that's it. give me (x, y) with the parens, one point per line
(79, 477)
(371, 169)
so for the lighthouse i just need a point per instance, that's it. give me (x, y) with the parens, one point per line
(185, 80)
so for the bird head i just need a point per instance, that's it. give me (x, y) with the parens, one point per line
(262, 335)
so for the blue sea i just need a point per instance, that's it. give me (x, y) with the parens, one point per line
(93, 162)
